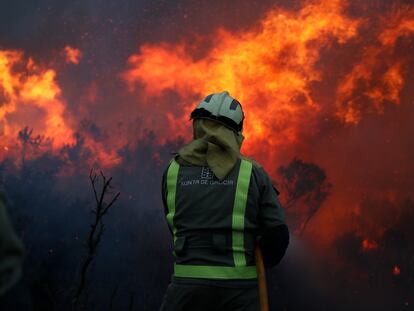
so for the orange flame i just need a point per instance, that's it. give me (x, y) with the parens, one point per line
(368, 245)
(396, 271)
(370, 80)
(271, 70)
(302, 76)
(297, 102)
(30, 94)
(73, 55)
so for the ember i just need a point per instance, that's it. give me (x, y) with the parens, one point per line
(368, 245)
(396, 271)
(73, 55)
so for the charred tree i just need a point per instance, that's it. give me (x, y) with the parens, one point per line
(27, 139)
(304, 187)
(102, 206)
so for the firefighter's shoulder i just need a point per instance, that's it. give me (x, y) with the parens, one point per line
(251, 160)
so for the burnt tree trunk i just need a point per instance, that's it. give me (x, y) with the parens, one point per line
(101, 208)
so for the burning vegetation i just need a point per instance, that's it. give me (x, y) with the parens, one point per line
(326, 87)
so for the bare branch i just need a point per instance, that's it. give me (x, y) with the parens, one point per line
(92, 178)
(95, 235)
(111, 203)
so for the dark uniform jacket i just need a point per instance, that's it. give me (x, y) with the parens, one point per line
(203, 218)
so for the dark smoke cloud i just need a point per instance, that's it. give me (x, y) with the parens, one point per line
(52, 212)
(109, 31)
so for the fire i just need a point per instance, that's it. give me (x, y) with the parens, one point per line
(368, 245)
(73, 55)
(307, 78)
(396, 271)
(272, 68)
(378, 77)
(269, 69)
(30, 97)
(29, 94)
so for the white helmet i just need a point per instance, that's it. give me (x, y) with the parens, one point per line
(221, 107)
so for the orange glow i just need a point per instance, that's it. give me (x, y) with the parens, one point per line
(328, 83)
(306, 78)
(31, 96)
(72, 55)
(396, 271)
(269, 69)
(368, 81)
(368, 245)
(315, 83)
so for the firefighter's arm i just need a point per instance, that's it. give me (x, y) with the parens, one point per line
(274, 238)
(164, 195)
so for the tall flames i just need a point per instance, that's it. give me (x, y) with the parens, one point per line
(377, 78)
(270, 69)
(307, 79)
(30, 94)
(303, 76)
(276, 68)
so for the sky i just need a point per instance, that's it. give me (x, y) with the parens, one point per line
(110, 84)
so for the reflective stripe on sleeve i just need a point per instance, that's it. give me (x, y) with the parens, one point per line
(239, 209)
(172, 176)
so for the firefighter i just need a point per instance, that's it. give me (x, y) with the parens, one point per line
(218, 205)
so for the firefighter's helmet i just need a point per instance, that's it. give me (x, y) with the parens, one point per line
(221, 107)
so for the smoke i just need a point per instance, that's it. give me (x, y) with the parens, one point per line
(52, 213)
(326, 89)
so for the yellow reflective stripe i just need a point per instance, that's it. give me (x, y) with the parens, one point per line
(215, 272)
(239, 209)
(172, 176)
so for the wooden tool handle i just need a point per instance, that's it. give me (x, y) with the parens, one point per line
(261, 279)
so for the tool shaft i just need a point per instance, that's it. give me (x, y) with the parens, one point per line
(261, 279)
